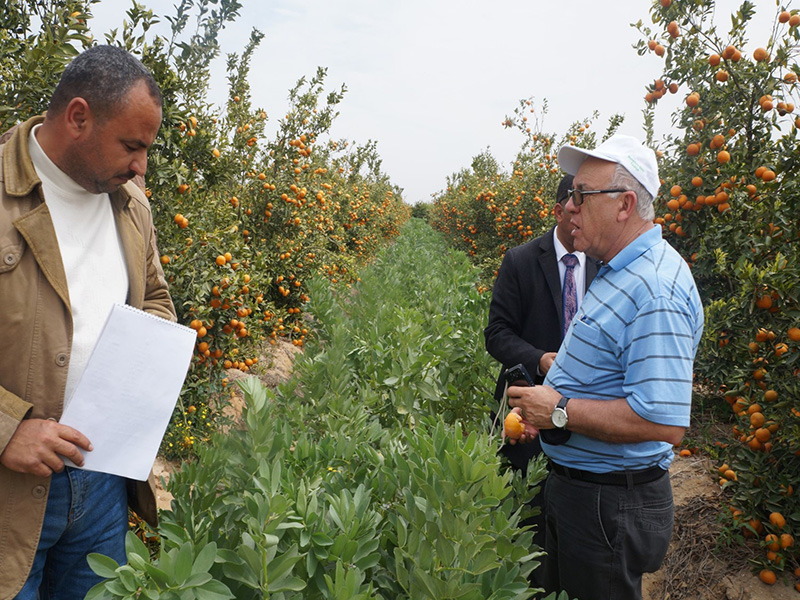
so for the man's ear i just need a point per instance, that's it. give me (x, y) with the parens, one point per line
(626, 205)
(78, 118)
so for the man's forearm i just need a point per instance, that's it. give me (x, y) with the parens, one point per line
(615, 421)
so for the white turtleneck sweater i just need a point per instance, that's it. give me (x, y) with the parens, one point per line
(91, 252)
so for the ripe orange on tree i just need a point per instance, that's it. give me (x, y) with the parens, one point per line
(777, 520)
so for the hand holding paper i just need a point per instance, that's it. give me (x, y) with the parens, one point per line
(126, 394)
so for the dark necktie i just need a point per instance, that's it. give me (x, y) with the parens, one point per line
(570, 294)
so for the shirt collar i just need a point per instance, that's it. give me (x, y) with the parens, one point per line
(561, 251)
(636, 248)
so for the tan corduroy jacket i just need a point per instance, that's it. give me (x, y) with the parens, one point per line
(36, 335)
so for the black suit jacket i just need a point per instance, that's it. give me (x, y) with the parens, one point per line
(526, 315)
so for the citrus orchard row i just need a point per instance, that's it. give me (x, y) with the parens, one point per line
(484, 211)
(729, 202)
(247, 212)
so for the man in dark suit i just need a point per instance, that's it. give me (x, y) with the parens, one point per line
(526, 315)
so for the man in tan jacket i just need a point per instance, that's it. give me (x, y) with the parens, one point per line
(76, 236)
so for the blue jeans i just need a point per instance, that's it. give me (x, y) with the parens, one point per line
(86, 512)
(601, 538)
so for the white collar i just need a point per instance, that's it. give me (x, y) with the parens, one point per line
(561, 251)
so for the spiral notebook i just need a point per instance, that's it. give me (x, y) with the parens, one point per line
(127, 393)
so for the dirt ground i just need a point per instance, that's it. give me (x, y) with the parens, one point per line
(691, 571)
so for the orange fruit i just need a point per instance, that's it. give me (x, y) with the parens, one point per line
(767, 577)
(221, 260)
(773, 542)
(757, 525)
(762, 434)
(784, 18)
(794, 20)
(787, 541)
(760, 54)
(693, 149)
(777, 519)
(673, 29)
(685, 452)
(713, 60)
(693, 99)
(165, 260)
(721, 76)
(512, 426)
(723, 156)
(770, 395)
(764, 301)
(794, 334)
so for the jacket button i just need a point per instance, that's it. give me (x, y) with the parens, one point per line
(39, 491)
(61, 359)
(10, 259)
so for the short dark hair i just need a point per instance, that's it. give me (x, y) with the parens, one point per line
(103, 76)
(562, 194)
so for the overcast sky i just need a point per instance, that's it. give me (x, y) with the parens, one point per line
(432, 80)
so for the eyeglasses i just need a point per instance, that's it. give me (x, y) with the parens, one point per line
(578, 195)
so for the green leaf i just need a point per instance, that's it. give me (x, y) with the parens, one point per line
(213, 590)
(183, 563)
(205, 558)
(135, 547)
(103, 566)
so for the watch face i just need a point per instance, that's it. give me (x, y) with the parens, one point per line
(559, 418)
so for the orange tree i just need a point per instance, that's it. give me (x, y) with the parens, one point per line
(729, 203)
(484, 210)
(244, 218)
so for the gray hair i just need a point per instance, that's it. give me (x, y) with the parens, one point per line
(644, 201)
(103, 76)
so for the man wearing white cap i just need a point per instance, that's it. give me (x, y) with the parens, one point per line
(621, 383)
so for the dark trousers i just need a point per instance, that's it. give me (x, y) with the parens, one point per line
(601, 538)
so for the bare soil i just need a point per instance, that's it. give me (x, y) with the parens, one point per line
(692, 569)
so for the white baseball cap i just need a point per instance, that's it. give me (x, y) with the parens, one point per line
(638, 159)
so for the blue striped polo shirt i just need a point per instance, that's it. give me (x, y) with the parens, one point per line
(635, 337)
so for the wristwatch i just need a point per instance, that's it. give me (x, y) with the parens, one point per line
(559, 415)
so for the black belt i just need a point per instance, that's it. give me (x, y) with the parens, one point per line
(626, 478)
